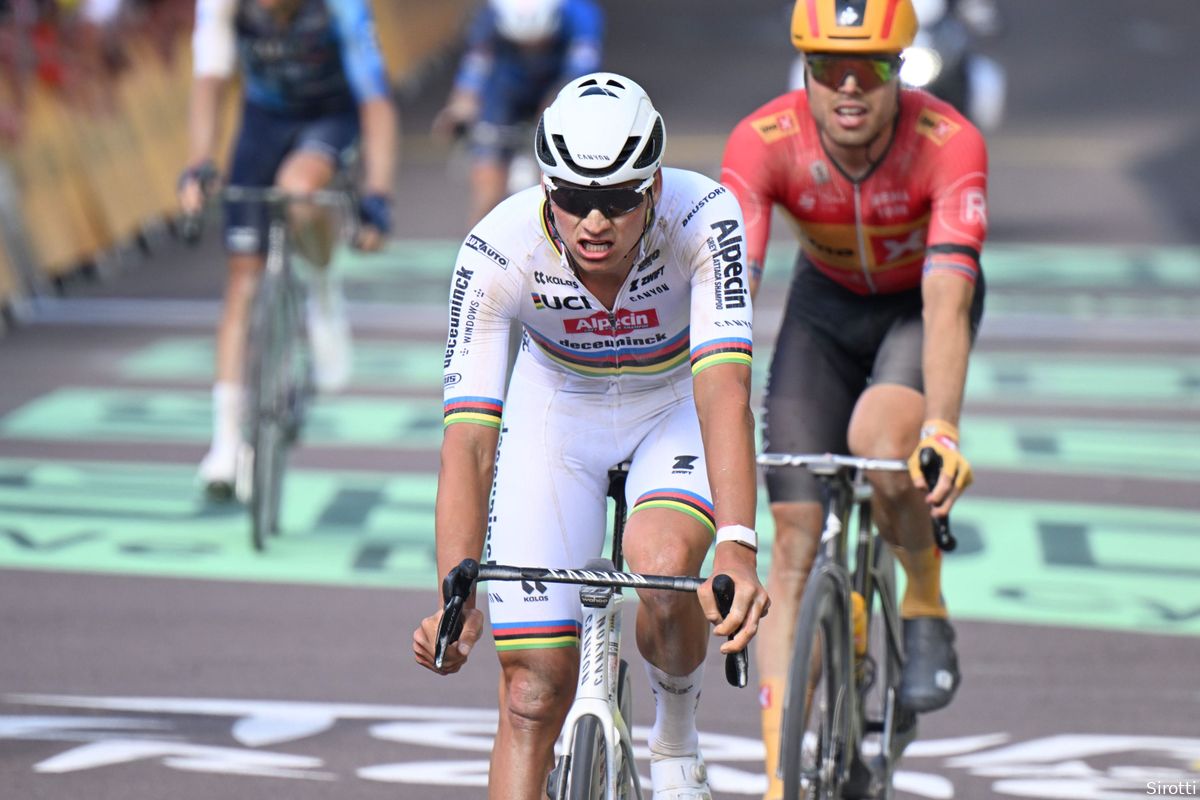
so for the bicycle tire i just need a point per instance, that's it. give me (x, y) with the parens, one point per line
(881, 709)
(814, 761)
(587, 780)
(271, 359)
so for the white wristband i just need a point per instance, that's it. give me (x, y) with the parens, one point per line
(740, 534)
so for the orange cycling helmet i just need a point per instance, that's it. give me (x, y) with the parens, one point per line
(853, 26)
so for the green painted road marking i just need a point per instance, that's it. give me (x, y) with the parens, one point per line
(1036, 378)
(398, 364)
(1145, 449)
(110, 415)
(1053, 563)
(1020, 377)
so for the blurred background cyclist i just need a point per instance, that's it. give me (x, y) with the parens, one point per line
(313, 79)
(519, 53)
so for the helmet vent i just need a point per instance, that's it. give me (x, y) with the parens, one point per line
(654, 147)
(631, 144)
(851, 13)
(544, 153)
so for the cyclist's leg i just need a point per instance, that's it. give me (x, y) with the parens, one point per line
(548, 510)
(811, 390)
(259, 149)
(669, 532)
(321, 147)
(886, 424)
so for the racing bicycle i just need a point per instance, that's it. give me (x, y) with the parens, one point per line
(278, 361)
(596, 752)
(843, 728)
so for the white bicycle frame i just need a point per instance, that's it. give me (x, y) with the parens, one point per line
(596, 691)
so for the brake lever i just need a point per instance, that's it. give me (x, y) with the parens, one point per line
(737, 665)
(931, 468)
(456, 588)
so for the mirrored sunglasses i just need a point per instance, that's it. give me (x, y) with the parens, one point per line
(611, 201)
(869, 72)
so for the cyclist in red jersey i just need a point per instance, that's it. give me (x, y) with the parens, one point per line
(887, 187)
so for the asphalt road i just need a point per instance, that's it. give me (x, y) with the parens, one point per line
(145, 652)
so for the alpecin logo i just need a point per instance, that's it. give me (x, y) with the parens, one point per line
(604, 324)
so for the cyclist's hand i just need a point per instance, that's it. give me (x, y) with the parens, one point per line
(375, 214)
(750, 601)
(194, 185)
(955, 475)
(425, 640)
(453, 121)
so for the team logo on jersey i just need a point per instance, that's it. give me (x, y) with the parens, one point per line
(936, 127)
(480, 246)
(732, 290)
(603, 324)
(774, 127)
(543, 301)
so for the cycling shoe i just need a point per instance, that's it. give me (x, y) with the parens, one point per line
(680, 778)
(931, 674)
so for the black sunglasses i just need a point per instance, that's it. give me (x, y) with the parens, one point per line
(578, 201)
(869, 72)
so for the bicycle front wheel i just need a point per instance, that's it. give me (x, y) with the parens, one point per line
(272, 357)
(589, 770)
(816, 722)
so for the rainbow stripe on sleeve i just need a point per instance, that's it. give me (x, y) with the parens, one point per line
(536, 635)
(689, 503)
(480, 410)
(721, 351)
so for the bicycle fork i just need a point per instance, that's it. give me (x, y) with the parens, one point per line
(596, 694)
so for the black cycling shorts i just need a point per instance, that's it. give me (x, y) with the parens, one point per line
(832, 344)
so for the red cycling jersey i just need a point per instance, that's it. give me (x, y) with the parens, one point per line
(922, 207)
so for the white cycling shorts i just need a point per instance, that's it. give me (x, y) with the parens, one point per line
(549, 499)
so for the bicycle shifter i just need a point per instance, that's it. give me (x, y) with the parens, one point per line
(737, 665)
(456, 588)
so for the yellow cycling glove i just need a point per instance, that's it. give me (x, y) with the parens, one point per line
(943, 438)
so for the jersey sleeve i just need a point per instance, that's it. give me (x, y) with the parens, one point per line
(477, 61)
(721, 327)
(214, 42)
(958, 212)
(745, 170)
(483, 303)
(583, 24)
(362, 60)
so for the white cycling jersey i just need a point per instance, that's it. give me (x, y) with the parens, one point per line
(592, 387)
(686, 301)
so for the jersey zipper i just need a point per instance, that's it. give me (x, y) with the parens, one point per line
(862, 242)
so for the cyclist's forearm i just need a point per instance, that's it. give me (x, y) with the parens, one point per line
(380, 138)
(464, 485)
(204, 117)
(947, 345)
(727, 429)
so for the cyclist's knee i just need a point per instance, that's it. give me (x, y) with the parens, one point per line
(538, 688)
(797, 531)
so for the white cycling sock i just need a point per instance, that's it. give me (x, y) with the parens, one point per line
(676, 698)
(227, 415)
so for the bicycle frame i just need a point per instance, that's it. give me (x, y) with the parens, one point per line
(598, 686)
(849, 492)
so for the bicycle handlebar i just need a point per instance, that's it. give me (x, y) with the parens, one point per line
(191, 226)
(459, 581)
(828, 464)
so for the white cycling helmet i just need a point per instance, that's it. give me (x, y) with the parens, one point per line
(601, 130)
(527, 21)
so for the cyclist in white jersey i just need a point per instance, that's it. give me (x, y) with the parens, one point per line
(629, 282)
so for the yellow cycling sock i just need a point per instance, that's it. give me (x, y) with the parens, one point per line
(923, 593)
(770, 697)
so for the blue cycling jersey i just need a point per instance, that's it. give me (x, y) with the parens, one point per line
(573, 51)
(322, 59)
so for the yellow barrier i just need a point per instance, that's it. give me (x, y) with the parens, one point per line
(90, 181)
(9, 285)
